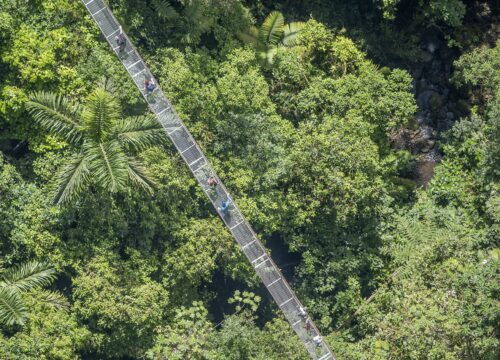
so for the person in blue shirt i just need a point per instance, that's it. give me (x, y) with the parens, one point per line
(224, 206)
(150, 85)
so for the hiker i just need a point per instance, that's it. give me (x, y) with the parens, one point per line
(121, 40)
(224, 206)
(302, 312)
(149, 84)
(317, 340)
(212, 181)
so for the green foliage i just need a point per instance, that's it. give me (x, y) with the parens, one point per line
(120, 304)
(15, 282)
(478, 70)
(186, 338)
(451, 12)
(243, 299)
(386, 271)
(107, 143)
(272, 33)
(47, 334)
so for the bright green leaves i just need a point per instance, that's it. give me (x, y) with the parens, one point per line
(12, 308)
(108, 144)
(245, 299)
(186, 337)
(108, 164)
(139, 132)
(58, 115)
(271, 30)
(101, 112)
(15, 282)
(272, 33)
(204, 246)
(28, 276)
(38, 56)
(291, 33)
(120, 304)
(478, 70)
(47, 334)
(72, 180)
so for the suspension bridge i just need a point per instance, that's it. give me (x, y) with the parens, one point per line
(213, 187)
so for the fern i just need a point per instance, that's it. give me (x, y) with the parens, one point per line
(56, 114)
(165, 10)
(72, 179)
(106, 143)
(108, 164)
(272, 34)
(27, 276)
(140, 176)
(139, 132)
(12, 308)
(17, 281)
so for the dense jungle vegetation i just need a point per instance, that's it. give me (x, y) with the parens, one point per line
(110, 250)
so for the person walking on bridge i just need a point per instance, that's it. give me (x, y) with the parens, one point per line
(121, 40)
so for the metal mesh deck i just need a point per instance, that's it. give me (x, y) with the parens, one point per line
(201, 169)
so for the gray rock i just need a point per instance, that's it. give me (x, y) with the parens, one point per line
(423, 99)
(428, 146)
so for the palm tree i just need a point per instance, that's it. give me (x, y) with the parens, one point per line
(15, 282)
(191, 21)
(105, 144)
(272, 34)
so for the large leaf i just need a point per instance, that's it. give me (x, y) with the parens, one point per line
(12, 308)
(139, 132)
(28, 276)
(57, 114)
(271, 30)
(291, 33)
(72, 179)
(250, 36)
(54, 299)
(101, 113)
(139, 176)
(107, 164)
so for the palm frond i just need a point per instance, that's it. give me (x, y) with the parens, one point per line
(54, 299)
(12, 308)
(139, 132)
(101, 112)
(72, 178)
(269, 55)
(271, 31)
(250, 36)
(165, 10)
(291, 33)
(32, 274)
(57, 115)
(139, 176)
(108, 164)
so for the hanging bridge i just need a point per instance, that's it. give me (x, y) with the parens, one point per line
(227, 209)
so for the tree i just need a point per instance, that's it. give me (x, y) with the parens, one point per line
(19, 280)
(107, 145)
(272, 33)
(119, 303)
